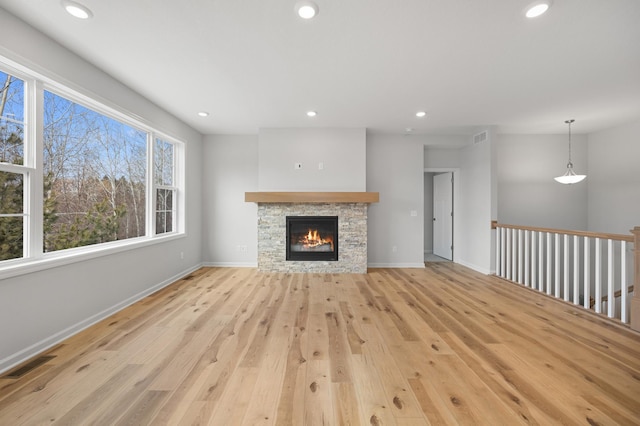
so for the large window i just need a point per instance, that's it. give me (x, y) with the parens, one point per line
(75, 173)
(94, 176)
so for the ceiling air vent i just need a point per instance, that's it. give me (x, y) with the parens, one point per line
(480, 137)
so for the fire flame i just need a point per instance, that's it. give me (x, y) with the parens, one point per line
(313, 239)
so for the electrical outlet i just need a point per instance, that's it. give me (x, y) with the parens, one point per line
(394, 249)
(321, 166)
(241, 249)
(181, 255)
(414, 213)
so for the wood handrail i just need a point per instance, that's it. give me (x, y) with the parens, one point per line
(616, 237)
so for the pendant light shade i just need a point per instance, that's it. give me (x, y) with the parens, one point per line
(570, 177)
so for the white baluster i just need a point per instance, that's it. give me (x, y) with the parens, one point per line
(549, 282)
(504, 253)
(587, 274)
(557, 266)
(623, 282)
(598, 304)
(498, 241)
(576, 270)
(534, 260)
(509, 232)
(611, 300)
(520, 254)
(566, 268)
(514, 256)
(526, 259)
(541, 261)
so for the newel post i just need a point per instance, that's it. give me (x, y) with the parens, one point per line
(635, 301)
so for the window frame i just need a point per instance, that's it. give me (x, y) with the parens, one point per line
(34, 258)
(178, 182)
(27, 168)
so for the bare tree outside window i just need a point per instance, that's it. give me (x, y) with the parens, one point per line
(94, 176)
(96, 183)
(11, 153)
(164, 180)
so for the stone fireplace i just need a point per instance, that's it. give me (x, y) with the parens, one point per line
(349, 211)
(312, 238)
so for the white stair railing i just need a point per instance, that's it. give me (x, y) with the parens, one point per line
(590, 269)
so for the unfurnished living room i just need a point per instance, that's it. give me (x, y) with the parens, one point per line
(301, 212)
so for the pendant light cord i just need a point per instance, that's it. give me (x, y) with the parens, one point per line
(570, 164)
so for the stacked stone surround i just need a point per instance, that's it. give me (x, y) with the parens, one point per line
(352, 237)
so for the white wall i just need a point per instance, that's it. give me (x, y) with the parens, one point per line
(475, 207)
(614, 179)
(342, 152)
(41, 308)
(395, 169)
(528, 195)
(230, 169)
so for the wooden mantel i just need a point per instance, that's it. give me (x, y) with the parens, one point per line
(311, 197)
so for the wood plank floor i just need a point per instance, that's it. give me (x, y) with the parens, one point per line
(443, 345)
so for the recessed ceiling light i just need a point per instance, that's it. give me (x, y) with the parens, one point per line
(420, 114)
(311, 113)
(537, 8)
(76, 9)
(306, 9)
(203, 114)
(408, 130)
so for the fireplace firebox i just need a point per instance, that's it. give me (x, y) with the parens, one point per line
(312, 238)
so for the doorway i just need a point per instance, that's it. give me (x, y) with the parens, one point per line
(443, 215)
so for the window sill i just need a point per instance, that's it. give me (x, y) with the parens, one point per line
(13, 268)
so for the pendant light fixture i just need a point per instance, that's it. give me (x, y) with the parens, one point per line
(570, 176)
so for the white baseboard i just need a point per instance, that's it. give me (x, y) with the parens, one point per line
(230, 264)
(395, 265)
(474, 267)
(21, 356)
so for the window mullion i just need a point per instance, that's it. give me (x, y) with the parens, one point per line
(174, 198)
(151, 187)
(34, 179)
(180, 184)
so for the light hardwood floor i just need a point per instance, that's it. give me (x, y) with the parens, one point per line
(443, 345)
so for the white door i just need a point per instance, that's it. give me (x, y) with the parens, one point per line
(443, 215)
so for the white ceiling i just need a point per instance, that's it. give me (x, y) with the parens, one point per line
(365, 63)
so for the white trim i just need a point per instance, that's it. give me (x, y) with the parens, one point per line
(230, 264)
(17, 358)
(475, 267)
(15, 168)
(395, 265)
(457, 237)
